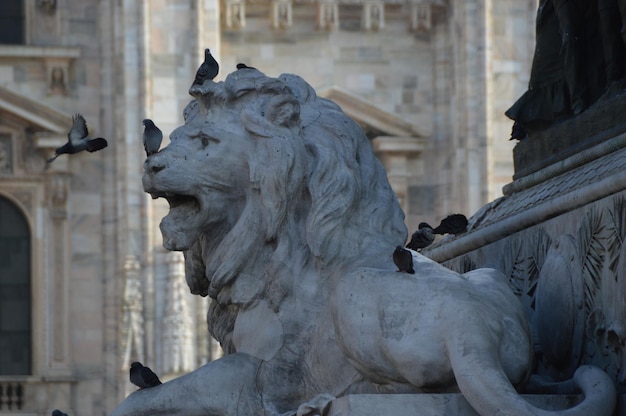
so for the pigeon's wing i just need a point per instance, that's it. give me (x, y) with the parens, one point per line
(78, 131)
(152, 138)
(149, 377)
(208, 69)
(96, 144)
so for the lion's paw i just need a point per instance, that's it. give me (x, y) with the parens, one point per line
(318, 406)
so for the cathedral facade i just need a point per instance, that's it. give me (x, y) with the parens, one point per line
(85, 284)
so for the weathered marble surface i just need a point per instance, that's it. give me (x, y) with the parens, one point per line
(287, 221)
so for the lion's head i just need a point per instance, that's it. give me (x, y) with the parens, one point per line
(265, 177)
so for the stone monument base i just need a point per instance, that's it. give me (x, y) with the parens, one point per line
(430, 404)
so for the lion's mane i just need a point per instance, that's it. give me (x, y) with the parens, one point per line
(318, 199)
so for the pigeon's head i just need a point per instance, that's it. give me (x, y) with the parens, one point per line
(423, 225)
(135, 364)
(147, 122)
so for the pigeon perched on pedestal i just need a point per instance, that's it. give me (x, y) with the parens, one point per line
(57, 412)
(421, 238)
(207, 70)
(78, 141)
(152, 137)
(452, 224)
(143, 377)
(244, 66)
(403, 259)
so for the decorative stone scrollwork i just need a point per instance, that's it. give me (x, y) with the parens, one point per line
(327, 15)
(235, 14)
(282, 14)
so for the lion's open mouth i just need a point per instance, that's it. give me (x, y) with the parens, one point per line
(188, 202)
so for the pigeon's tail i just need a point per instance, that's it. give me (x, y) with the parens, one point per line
(52, 158)
(96, 144)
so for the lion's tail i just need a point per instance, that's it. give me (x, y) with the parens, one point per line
(489, 391)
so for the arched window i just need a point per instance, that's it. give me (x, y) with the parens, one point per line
(15, 296)
(12, 22)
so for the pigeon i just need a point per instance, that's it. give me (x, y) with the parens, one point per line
(421, 238)
(152, 137)
(57, 412)
(207, 70)
(78, 141)
(403, 259)
(244, 66)
(452, 224)
(143, 377)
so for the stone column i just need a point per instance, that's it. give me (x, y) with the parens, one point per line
(401, 158)
(57, 279)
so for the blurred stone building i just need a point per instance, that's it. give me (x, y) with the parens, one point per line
(85, 285)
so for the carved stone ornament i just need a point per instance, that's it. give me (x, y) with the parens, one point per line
(559, 306)
(132, 309)
(178, 351)
(287, 221)
(282, 14)
(327, 15)
(6, 155)
(373, 15)
(420, 15)
(58, 190)
(235, 14)
(48, 6)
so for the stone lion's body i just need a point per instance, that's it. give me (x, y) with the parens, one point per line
(287, 221)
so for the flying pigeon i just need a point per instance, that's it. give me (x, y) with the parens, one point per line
(143, 377)
(78, 141)
(244, 66)
(452, 224)
(152, 137)
(403, 259)
(207, 70)
(421, 238)
(57, 412)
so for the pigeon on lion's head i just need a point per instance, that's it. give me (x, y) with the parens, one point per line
(287, 221)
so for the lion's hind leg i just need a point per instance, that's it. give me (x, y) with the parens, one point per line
(483, 382)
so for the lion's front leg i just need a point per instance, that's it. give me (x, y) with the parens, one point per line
(223, 387)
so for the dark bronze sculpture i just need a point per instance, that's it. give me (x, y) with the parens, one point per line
(580, 53)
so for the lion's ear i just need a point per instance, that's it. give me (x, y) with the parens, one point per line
(280, 111)
(283, 110)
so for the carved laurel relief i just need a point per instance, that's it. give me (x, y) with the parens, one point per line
(580, 291)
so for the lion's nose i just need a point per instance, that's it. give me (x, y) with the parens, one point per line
(154, 164)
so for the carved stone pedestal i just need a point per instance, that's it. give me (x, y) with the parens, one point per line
(559, 234)
(429, 404)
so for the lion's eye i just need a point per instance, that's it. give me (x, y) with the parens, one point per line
(207, 139)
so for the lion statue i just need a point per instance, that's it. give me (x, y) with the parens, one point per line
(287, 221)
